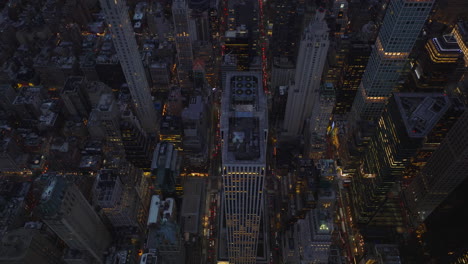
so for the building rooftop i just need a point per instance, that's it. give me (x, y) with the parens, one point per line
(139, 11)
(149, 258)
(60, 56)
(283, 62)
(72, 84)
(387, 253)
(28, 94)
(74, 254)
(191, 204)
(106, 184)
(106, 103)
(446, 43)
(15, 244)
(325, 221)
(194, 109)
(89, 161)
(244, 118)
(171, 125)
(229, 60)
(327, 90)
(443, 49)
(462, 26)
(421, 111)
(164, 164)
(49, 190)
(158, 65)
(107, 53)
(244, 138)
(48, 116)
(161, 223)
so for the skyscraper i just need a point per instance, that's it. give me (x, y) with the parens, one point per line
(124, 41)
(311, 60)
(238, 43)
(354, 66)
(244, 132)
(136, 143)
(439, 64)
(104, 122)
(66, 211)
(400, 133)
(118, 202)
(285, 29)
(444, 171)
(184, 34)
(400, 29)
(340, 10)
(165, 169)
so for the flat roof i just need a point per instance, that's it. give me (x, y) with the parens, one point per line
(191, 204)
(421, 111)
(244, 121)
(153, 214)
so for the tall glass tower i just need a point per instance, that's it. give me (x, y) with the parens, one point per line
(402, 24)
(125, 44)
(244, 133)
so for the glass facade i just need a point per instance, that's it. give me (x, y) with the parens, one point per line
(402, 24)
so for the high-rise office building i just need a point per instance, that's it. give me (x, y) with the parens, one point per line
(382, 254)
(118, 203)
(443, 172)
(165, 169)
(286, 29)
(354, 66)
(172, 131)
(440, 63)
(242, 13)
(181, 19)
(400, 133)
(104, 122)
(194, 120)
(244, 133)
(66, 211)
(340, 12)
(339, 44)
(400, 29)
(311, 60)
(238, 43)
(460, 33)
(74, 97)
(433, 140)
(282, 72)
(184, 34)
(449, 11)
(127, 49)
(136, 143)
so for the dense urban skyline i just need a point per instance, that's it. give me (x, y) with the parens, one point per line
(233, 131)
